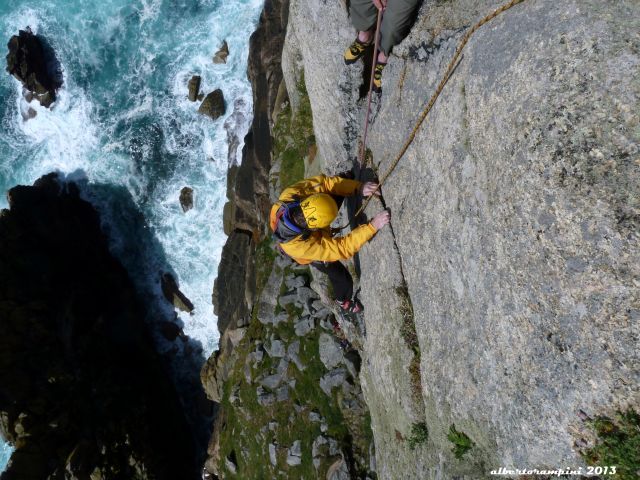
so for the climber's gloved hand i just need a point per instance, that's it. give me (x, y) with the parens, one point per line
(369, 188)
(381, 219)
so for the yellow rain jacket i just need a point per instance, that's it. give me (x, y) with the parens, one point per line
(320, 246)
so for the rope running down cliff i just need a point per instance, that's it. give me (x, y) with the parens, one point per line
(434, 97)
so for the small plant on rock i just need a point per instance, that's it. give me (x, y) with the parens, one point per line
(461, 442)
(419, 435)
(618, 444)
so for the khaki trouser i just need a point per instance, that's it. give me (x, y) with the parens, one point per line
(396, 21)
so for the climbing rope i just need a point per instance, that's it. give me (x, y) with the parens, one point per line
(363, 146)
(434, 97)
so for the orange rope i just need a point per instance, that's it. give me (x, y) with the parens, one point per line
(435, 96)
(363, 148)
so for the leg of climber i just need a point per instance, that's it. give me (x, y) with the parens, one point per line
(342, 283)
(363, 17)
(396, 22)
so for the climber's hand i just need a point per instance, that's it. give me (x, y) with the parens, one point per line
(380, 4)
(370, 188)
(381, 219)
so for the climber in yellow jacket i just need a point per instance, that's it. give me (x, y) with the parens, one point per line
(300, 221)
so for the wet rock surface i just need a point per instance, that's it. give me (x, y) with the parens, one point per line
(194, 87)
(186, 198)
(172, 293)
(222, 54)
(213, 105)
(32, 61)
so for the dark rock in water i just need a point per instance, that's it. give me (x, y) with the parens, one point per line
(171, 331)
(84, 393)
(172, 293)
(194, 87)
(213, 105)
(186, 198)
(32, 61)
(222, 54)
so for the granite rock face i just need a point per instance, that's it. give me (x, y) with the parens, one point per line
(515, 215)
(83, 391)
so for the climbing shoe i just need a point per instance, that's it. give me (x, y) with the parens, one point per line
(350, 306)
(355, 51)
(377, 77)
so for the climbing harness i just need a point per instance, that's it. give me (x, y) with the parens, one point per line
(432, 101)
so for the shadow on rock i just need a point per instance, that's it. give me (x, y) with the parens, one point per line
(83, 388)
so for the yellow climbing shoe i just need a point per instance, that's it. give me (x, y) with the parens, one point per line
(377, 77)
(355, 51)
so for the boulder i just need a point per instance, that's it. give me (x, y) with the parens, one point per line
(304, 326)
(292, 354)
(194, 87)
(186, 198)
(331, 355)
(282, 394)
(173, 294)
(276, 349)
(170, 330)
(213, 105)
(231, 466)
(333, 379)
(339, 471)
(222, 54)
(272, 454)
(316, 447)
(32, 61)
(271, 381)
(265, 398)
(294, 456)
(292, 282)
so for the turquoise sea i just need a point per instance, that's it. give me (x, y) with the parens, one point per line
(123, 127)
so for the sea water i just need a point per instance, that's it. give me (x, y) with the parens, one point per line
(122, 125)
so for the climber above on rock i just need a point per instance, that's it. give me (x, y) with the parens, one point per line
(397, 17)
(300, 221)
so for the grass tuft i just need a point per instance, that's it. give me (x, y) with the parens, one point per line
(461, 442)
(410, 336)
(293, 139)
(419, 435)
(618, 444)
